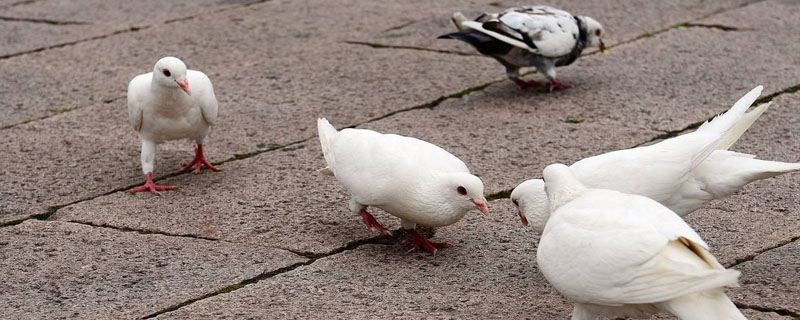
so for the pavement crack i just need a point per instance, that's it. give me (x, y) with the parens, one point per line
(44, 21)
(755, 255)
(389, 46)
(72, 43)
(18, 3)
(127, 30)
(783, 312)
(140, 231)
(709, 26)
(269, 274)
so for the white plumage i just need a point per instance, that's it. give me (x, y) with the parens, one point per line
(167, 104)
(682, 173)
(416, 181)
(621, 255)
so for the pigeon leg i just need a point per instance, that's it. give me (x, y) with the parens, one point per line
(199, 161)
(555, 84)
(373, 224)
(417, 240)
(526, 84)
(150, 186)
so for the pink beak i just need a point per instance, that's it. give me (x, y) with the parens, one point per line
(184, 84)
(523, 218)
(481, 205)
(602, 46)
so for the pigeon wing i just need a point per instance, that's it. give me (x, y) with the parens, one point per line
(137, 89)
(204, 91)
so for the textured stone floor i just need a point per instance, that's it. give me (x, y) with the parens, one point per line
(270, 238)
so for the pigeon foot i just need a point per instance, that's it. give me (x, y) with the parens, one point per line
(150, 186)
(555, 84)
(417, 240)
(526, 84)
(199, 161)
(373, 224)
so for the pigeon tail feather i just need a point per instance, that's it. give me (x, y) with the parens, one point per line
(458, 20)
(741, 126)
(725, 122)
(327, 133)
(711, 304)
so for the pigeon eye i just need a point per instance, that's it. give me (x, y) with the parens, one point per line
(598, 32)
(461, 190)
(167, 73)
(515, 202)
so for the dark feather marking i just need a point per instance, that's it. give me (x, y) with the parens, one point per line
(485, 44)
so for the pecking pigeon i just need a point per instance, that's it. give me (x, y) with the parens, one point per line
(414, 180)
(530, 36)
(167, 104)
(682, 173)
(621, 255)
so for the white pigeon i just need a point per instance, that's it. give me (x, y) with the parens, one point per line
(683, 173)
(414, 180)
(530, 36)
(167, 104)
(621, 255)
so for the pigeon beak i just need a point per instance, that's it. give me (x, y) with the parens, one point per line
(523, 218)
(481, 205)
(184, 84)
(602, 47)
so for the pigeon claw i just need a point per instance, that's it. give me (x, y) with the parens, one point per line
(526, 84)
(373, 224)
(417, 240)
(150, 186)
(199, 161)
(555, 84)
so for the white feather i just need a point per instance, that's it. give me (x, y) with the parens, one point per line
(614, 251)
(404, 176)
(682, 173)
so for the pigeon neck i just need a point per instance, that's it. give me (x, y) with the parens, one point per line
(583, 38)
(562, 192)
(165, 91)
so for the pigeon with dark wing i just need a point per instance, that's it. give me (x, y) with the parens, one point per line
(530, 36)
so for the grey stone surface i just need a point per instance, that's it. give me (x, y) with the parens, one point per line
(622, 21)
(276, 66)
(21, 36)
(258, 111)
(489, 273)
(58, 270)
(772, 279)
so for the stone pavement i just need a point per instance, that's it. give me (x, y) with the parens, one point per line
(270, 238)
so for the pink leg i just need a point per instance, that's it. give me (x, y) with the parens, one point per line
(150, 186)
(555, 84)
(417, 240)
(373, 224)
(199, 161)
(526, 84)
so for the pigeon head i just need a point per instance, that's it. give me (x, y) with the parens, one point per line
(561, 185)
(531, 200)
(171, 72)
(596, 33)
(462, 191)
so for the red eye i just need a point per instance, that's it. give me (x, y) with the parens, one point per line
(597, 32)
(461, 190)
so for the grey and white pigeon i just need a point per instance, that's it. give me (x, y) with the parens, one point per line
(167, 104)
(414, 180)
(530, 36)
(683, 173)
(620, 255)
